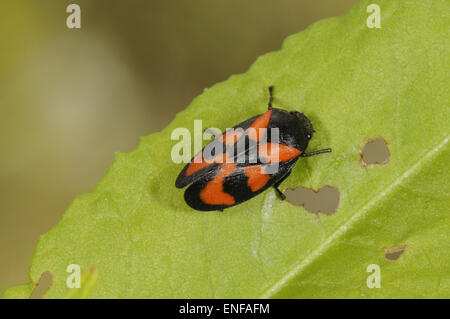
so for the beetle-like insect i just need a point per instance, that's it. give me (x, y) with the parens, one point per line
(225, 174)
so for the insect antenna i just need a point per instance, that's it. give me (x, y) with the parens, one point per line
(269, 106)
(327, 150)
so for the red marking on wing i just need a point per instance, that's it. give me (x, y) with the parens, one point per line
(213, 193)
(231, 137)
(258, 128)
(274, 152)
(257, 177)
(198, 162)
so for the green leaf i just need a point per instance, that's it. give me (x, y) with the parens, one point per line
(354, 83)
(87, 285)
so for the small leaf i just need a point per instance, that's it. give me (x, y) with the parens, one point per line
(355, 84)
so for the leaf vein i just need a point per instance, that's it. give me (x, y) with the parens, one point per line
(330, 240)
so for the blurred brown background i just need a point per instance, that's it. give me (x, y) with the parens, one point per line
(69, 99)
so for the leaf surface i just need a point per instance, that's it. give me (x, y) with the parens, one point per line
(354, 83)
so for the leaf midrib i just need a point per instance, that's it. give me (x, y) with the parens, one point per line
(316, 252)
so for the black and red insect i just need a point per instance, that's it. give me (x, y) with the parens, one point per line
(232, 175)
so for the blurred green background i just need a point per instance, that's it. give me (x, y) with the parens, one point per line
(71, 98)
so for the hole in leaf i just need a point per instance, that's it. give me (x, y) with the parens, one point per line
(394, 253)
(375, 151)
(326, 200)
(44, 283)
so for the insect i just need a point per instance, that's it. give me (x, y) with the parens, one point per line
(224, 174)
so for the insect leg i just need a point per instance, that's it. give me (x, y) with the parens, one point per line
(208, 130)
(282, 196)
(275, 186)
(269, 106)
(327, 150)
